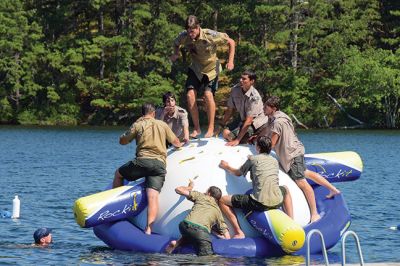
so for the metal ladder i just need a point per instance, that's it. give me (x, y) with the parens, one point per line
(358, 247)
(309, 235)
(316, 231)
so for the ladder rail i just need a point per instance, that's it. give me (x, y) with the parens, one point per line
(309, 235)
(355, 236)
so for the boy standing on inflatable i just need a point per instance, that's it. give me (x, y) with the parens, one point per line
(198, 224)
(290, 150)
(150, 162)
(266, 195)
(202, 45)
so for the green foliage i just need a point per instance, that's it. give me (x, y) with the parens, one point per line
(6, 111)
(98, 61)
(374, 77)
(27, 117)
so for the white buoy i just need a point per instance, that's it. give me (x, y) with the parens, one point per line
(16, 207)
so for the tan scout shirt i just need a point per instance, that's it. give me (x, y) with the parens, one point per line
(288, 145)
(205, 212)
(151, 136)
(203, 51)
(264, 170)
(177, 122)
(248, 104)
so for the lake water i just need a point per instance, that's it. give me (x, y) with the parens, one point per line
(49, 168)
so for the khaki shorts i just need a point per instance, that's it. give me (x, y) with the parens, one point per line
(152, 169)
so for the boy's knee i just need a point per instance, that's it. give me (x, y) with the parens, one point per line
(208, 96)
(225, 200)
(190, 92)
(303, 184)
(118, 175)
(225, 133)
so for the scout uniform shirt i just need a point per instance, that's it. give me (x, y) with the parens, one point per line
(177, 122)
(288, 145)
(248, 104)
(264, 170)
(205, 212)
(203, 51)
(150, 135)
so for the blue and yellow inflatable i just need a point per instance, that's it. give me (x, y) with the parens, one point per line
(118, 215)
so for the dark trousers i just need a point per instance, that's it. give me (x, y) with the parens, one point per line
(197, 236)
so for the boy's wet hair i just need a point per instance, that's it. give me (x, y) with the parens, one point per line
(264, 143)
(215, 192)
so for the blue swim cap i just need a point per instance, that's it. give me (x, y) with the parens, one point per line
(41, 232)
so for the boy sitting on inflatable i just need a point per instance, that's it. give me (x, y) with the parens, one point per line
(266, 195)
(197, 225)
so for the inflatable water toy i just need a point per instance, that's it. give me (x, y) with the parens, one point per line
(118, 216)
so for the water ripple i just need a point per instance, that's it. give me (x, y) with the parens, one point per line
(50, 168)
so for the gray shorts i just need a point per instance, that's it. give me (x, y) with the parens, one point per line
(297, 168)
(152, 169)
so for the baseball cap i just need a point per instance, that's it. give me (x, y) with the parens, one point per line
(41, 232)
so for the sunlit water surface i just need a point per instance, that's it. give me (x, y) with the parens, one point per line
(49, 168)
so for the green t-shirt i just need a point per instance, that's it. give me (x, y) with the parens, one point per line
(205, 212)
(264, 170)
(151, 136)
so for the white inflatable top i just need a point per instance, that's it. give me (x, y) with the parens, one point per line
(199, 160)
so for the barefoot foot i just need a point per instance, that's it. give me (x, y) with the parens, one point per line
(315, 218)
(195, 133)
(333, 193)
(171, 246)
(147, 230)
(239, 236)
(209, 134)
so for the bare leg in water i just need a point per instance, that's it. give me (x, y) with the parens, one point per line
(173, 245)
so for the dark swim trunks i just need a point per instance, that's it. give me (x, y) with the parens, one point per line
(152, 169)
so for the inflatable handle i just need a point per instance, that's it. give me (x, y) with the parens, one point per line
(110, 205)
(335, 166)
(279, 229)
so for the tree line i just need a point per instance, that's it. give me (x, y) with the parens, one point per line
(333, 63)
